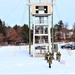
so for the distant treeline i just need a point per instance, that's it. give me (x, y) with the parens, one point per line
(20, 34)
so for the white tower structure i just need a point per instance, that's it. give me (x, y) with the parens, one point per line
(43, 1)
(41, 26)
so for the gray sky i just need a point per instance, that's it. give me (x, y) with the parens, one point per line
(16, 11)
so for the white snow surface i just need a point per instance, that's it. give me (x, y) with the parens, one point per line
(16, 60)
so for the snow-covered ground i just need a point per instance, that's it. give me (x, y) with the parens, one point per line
(16, 60)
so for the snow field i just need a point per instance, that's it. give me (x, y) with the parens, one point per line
(16, 60)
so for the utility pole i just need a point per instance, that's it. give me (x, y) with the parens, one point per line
(52, 31)
(29, 31)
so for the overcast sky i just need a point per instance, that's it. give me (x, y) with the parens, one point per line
(16, 11)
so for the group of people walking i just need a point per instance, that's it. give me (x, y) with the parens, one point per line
(50, 56)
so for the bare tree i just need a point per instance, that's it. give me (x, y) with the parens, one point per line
(12, 36)
(74, 26)
(58, 37)
(66, 25)
(1, 37)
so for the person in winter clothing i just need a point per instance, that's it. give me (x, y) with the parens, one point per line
(58, 56)
(46, 56)
(50, 61)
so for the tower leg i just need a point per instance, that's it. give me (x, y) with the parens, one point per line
(40, 50)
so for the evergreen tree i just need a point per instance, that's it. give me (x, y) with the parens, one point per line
(25, 33)
(2, 28)
(61, 24)
(15, 27)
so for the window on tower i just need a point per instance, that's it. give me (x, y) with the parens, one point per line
(37, 9)
(45, 9)
(41, 9)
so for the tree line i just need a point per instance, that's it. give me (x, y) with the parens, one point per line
(20, 34)
(13, 34)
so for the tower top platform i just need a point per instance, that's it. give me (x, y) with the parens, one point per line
(41, 9)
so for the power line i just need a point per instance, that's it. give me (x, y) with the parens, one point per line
(23, 15)
(57, 11)
(68, 9)
(15, 7)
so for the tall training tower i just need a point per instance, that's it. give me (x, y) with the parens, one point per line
(41, 27)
